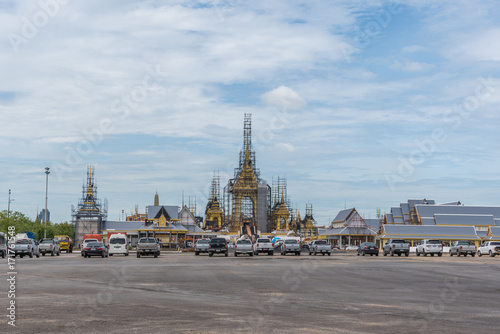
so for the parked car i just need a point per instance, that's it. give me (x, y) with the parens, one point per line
(148, 246)
(243, 246)
(118, 244)
(49, 246)
(290, 246)
(462, 248)
(217, 246)
(3, 245)
(263, 245)
(85, 243)
(24, 247)
(320, 247)
(491, 248)
(201, 246)
(368, 248)
(95, 249)
(396, 246)
(430, 246)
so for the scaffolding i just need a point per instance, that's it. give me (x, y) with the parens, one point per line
(247, 197)
(90, 214)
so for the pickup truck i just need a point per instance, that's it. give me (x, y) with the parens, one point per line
(320, 247)
(49, 246)
(396, 246)
(24, 247)
(243, 246)
(201, 246)
(431, 247)
(291, 246)
(462, 248)
(148, 246)
(491, 248)
(217, 245)
(263, 245)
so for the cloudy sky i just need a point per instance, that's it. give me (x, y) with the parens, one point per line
(356, 103)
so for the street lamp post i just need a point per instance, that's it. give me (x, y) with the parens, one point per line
(8, 207)
(47, 172)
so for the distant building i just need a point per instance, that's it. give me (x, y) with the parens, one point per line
(349, 228)
(41, 216)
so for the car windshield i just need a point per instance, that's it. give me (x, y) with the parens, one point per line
(434, 242)
(290, 242)
(147, 241)
(22, 242)
(263, 240)
(61, 239)
(95, 244)
(243, 242)
(46, 241)
(219, 240)
(90, 240)
(117, 241)
(321, 242)
(463, 243)
(203, 241)
(370, 244)
(400, 241)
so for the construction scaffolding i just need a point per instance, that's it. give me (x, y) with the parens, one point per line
(89, 215)
(247, 198)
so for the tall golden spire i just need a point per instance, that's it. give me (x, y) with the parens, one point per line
(157, 199)
(90, 186)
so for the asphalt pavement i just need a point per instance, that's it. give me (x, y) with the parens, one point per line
(184, 293)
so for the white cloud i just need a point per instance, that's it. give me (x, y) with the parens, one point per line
(412, 66)
(284, 97)
(286, 146)
(413, 48)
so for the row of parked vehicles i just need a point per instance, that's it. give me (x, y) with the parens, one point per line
(260, 246)
(431, 247)
(24, 245)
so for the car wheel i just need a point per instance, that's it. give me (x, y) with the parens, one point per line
(38, 255)
(432, 254)
(479, 254)
(110, 254)
(458, 254)
(210, 254)
(465, 254)
(392, 253)
(473, 254)
(492, 254)
(329, 254)
(357, 254)
(451, 254)
(376, 254)
(251, 254)
(371, 254)
(425, 254)
(103, 255)
(226, 254)
(310, 253)
(51, 254)
(407, 254)
(235, 254)
(31, 255)
(363, 253)
(58, 253)
(418, 254)
(298, 253)
(156, 255)
(323, 254)
(270, 253)
(3, 255)
(385, 254)
(138, 254)
(441, 254)
(43, 254)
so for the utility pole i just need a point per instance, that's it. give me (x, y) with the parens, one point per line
(47, 172)
(8, 207)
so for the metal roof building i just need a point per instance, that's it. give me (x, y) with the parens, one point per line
(420, 232)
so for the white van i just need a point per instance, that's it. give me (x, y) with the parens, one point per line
(118, 244)
(3, 245)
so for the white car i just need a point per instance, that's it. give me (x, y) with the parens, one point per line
(118, 244)
(491, 248)
(430, 246)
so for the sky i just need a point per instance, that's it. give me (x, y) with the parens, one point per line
(357, 103)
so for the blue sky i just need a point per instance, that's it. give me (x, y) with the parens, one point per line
(357, 103)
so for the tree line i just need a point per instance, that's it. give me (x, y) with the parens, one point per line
(24, 224)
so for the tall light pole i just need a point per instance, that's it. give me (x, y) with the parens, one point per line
(8, 207)
(47, 172)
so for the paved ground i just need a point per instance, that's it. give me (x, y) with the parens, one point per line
(183, 293)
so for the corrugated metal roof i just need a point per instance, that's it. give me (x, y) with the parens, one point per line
(495, 232)
(431, 210)
(390, 218)
(429, 231)
(373, 222)
(428, 221)
(396, 212)
(497, 222)
(349, 231)
(481, 234)
(413, 202)
(399, 220)
(122, 225)
(342, 215)
(451, 203)
(472, 220)
(405, 208)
